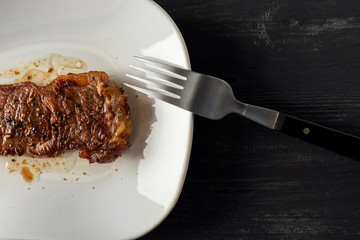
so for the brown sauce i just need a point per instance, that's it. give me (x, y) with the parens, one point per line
(27, 174)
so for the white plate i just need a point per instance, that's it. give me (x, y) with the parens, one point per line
(116, 201)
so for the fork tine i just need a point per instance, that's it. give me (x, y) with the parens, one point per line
(145, 83)
(160, 77)
(157, 66)
(154, 93)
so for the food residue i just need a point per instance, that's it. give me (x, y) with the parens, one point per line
(32, 168)
(27, 174)
(42, 70)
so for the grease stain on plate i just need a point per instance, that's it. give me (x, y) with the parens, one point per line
(43, 70)
(32, 168)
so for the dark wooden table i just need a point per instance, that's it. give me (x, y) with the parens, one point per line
(245, 181)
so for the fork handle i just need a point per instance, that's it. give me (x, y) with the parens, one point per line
(336, 141)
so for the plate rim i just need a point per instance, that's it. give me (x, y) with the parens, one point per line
(190, 132)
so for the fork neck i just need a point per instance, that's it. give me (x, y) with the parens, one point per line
(238, 107)
(264, 116)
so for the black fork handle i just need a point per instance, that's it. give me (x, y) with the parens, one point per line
(336, 141)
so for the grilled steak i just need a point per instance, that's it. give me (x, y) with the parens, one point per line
(74, 111)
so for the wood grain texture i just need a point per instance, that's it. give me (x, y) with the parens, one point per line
(248, 182)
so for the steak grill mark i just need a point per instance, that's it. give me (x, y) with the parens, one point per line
(74, 111)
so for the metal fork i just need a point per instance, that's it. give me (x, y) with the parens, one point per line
(213, 98)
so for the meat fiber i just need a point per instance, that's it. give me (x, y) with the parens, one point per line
(73, 112)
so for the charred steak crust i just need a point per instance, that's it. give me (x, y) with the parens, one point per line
(73, 112)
